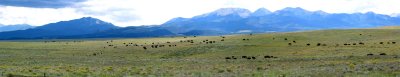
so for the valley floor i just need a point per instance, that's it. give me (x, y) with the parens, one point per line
(325, 53)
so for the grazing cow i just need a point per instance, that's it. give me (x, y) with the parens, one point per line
(227, 57)
(382, 54)
(294, 41)
(222, 40)
(354, 43)
(370, 54)
(286, 39)
(380, 42)
(318, 44)
(361, 43)
(144, 48)
(253, 57)
(244, 56)
(393, 42)
(360, 34)
(270, 57)
(249, 58)
(289, 43)
(244, 39)
(308, 44)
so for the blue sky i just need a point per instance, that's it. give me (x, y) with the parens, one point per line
(149, 12)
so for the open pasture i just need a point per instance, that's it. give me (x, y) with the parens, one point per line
(357, 52)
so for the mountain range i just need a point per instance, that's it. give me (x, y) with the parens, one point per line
(4, 28)
(234, 20)
(218, 22)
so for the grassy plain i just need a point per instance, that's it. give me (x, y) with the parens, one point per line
(96, 58)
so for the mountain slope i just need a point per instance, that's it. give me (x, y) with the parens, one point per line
(85, 25)
(222, 20)
(4, 28)
(128, 32)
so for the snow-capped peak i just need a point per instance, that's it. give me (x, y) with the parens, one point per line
(230, 11)
(261, 12)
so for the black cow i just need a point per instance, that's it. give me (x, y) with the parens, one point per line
(144, 48)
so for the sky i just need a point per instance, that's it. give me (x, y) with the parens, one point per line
(153, 12)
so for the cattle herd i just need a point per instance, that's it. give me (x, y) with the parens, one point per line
(155, 45)
(248, 57)
(345, 44)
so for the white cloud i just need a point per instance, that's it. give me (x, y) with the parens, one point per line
(148, 12)
(21, 15)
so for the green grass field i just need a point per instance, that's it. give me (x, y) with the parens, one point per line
(96, 58)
